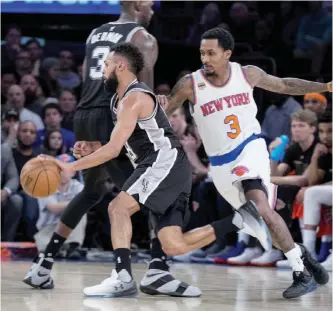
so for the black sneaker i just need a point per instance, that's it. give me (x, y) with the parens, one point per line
(304, 283)
(314, 267)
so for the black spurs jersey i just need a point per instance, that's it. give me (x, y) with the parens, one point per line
(150, 135)
(98, 47)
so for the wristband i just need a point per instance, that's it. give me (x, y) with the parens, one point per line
(329, 87)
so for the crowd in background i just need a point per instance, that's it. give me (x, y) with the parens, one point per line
(39, 95)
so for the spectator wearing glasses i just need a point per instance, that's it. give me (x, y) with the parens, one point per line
(67, 78)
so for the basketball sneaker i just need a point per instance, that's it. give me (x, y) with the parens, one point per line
(211, 257)
(314, 267)
(255, 225)
(324, 252)
(283, 264)
(327, 264)
(230, 252)
(214, 248)
(117, 285)
(39, 275)
(161, 282)
(303, 283)
(268, 258)
(245, 258)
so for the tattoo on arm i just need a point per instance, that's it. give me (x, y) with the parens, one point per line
(291, 86)
(180, 92)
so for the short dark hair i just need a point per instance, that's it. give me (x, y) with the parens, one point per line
(132, 54)
(51, 106)
(224, 37)
(32, 40)
(325, 117)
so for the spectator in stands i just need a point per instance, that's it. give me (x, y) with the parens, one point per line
(23, 63)
(10, 49)
(163, 89)
(67, 78)
(49, 73)
(242, 22)
(16, 100)
(26, 135)
(319, 173)
(298, 155)
(67, 102)
(9, 127)
(52, 116)
(277, 116)
(8, 78)
(34, 48)
(314, 35)
(315, 102)
(210, 18)
(54, 144)
(50, 211)
(24, 152)
(33, 97)
(264, 43)
(11, 203)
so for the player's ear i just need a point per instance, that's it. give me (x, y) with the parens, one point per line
(228, 54)
(137, 6)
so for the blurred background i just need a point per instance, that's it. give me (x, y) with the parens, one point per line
(42, 51)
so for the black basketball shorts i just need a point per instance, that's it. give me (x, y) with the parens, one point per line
(162, 183)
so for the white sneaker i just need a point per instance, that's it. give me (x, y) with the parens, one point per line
(283, 264)
(187, 257)
(118, 285)
(39, 275)
(327, 264)
(249, 254)
(268, 258)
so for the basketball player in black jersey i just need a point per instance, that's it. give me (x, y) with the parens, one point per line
(93, 125)
(161, 181)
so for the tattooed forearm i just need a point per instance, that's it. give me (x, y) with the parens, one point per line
(180, 92)
(291, 86)
(294, 86)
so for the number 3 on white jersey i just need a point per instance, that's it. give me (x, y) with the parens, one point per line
(100, 53)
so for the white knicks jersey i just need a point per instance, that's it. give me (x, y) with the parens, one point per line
(225, 115)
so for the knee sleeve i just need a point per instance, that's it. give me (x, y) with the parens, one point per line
(253, 184)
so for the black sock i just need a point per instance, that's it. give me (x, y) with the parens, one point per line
(54, 245)
(158, 253)
(123, 260)
(226, 225)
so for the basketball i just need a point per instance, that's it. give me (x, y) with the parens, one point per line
(39, 178)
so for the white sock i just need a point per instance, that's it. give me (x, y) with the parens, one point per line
(309, 241)
(294, 258)
(326, 238)
(243, 237)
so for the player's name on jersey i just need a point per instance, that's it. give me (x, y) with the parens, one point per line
(225, 102)
(111, 36)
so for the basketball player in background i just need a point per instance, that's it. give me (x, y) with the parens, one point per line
(92, 125)
(222, 104)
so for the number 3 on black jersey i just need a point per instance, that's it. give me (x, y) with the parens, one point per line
(99, 53)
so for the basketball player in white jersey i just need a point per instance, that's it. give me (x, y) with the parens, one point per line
(222, 104)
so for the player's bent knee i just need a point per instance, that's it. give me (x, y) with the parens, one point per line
(174, 249)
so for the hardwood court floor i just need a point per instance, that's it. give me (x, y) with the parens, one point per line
(223, 288)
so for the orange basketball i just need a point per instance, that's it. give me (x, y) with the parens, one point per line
(39, 178)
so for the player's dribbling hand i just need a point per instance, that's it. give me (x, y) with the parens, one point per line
(163, 100)
(65, 167)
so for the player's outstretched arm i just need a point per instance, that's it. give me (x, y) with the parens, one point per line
(291, 86)
(128, 114)
(148, 46)
(183, 90)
